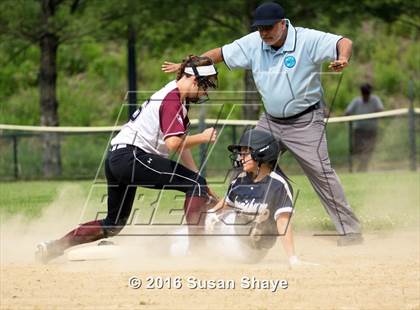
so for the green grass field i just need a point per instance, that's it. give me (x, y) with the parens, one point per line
(382, 200)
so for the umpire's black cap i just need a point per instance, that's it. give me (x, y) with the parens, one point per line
(268, 14)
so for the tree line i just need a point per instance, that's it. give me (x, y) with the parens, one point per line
(156, 25)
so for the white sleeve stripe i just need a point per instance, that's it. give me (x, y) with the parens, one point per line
(336, 54)
(173, 134)
(282, 210)
(228, 201)
(223, 57)
(282, 180)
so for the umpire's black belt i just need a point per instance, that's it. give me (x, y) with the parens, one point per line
(313, 107)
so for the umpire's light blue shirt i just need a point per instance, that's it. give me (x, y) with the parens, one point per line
(288, 79)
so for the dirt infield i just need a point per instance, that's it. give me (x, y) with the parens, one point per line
(383, 273)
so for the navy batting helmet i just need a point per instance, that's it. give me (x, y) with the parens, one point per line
(264, 148)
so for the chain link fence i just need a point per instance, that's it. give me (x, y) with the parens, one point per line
(83, 149)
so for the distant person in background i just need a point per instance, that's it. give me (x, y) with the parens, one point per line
(364, 131)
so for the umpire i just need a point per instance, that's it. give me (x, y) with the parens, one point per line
(286, 65)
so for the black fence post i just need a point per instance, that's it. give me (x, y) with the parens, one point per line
(412, 127)
(132, 73)
(15, 157)
(233, 134)
(203, 147)
(350, 157)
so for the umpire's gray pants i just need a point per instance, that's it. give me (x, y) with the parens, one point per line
(305, 138)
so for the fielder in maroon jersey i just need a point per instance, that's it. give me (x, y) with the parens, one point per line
(139, 153)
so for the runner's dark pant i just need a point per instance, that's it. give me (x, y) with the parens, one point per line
(129, 167)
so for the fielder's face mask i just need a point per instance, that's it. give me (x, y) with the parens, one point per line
(206, 78)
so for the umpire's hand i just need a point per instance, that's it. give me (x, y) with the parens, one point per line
(338, 65)
(169, 67)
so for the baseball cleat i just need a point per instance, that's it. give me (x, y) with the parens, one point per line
(105, 242)
(350, 239)
(48, 250)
